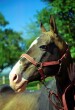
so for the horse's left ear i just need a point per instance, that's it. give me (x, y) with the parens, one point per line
(42, 27)
(53, 24)
(60, 43)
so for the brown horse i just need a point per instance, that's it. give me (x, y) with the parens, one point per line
(37, 100)
(48, 55)
(9, 100)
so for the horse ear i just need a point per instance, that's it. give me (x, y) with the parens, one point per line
(42, 27)
(53, 24)
(58, 41)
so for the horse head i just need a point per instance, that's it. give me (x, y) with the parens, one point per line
(41, 60)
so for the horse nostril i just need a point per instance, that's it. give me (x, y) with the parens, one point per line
(15, 77)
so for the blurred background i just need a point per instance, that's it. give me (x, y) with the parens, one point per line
(20, 25)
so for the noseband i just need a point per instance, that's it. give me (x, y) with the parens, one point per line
(40, 65)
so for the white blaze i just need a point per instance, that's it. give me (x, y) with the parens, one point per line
(34, 42)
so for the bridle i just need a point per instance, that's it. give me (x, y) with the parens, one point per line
(40, 65)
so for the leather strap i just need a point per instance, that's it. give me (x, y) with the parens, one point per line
(44, 64)
(57, 97)
(30, 59)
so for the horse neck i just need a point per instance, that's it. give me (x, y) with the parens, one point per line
(62, 79)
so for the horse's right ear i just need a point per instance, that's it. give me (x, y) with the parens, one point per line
(42, 27)
(53, 24)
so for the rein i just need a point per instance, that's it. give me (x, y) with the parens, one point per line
(52, 93)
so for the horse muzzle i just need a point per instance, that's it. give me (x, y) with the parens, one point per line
(17, 82)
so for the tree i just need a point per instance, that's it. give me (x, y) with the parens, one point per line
(32, 31)
(11, 45)
(3, 22)
(64, 13)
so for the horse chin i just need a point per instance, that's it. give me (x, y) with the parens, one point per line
(19, 87)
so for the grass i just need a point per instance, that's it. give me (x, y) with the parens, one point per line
(35, 85)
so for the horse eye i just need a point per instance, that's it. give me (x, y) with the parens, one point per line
(43, 47)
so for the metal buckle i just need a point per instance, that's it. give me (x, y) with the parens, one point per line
(39, 65)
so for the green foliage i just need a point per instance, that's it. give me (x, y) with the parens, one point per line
(73, 51)
(3, 22)
(11, 45)
(32, 31)
(64, 13)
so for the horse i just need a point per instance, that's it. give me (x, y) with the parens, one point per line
(47, 56)
(37, 100)
(9, 100)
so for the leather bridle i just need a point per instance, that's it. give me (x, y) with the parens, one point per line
(40, 65)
